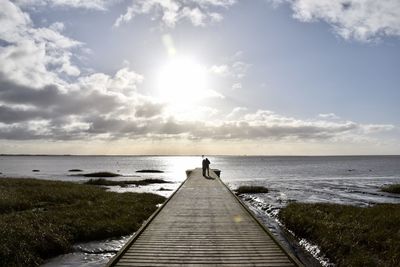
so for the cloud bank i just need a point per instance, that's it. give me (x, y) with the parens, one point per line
(100, 106)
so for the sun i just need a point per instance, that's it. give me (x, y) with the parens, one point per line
(182, 81)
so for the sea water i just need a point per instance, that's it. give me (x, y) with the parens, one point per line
(354, 180)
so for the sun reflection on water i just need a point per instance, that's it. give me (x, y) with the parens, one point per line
(177, 166)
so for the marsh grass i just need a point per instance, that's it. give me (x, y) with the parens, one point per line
(125, 183)
(394, 188)
(40, 219)
(349, 235)
(164, 189)
(100, 174)
(251, 190)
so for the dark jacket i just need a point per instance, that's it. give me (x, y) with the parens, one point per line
(207, 162)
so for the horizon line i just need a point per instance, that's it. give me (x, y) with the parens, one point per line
(199, 155)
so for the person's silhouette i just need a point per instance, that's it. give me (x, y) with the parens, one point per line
(207, 163)
(204, 165)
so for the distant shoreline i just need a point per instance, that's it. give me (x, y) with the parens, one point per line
(150, 155)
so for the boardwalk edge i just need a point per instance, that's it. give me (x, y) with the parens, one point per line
(129, 243)
(292, 257)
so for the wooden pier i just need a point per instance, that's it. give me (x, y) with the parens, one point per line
(203, 224)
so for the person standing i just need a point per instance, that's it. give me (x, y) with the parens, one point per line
(207, 166)
(203, 165)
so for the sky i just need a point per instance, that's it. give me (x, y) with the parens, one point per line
(190, 77)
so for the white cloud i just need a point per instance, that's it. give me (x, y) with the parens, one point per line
(13, 22)
(31, 55)
(232, 72)
(125, 82)
(363, 20)
(35, 91)
(215, 17)
(170, 12)
(236, 112)
(196, 113)
(377, 128)
(87, 4)
(195, 15)
(240, 69)
(237, 56)
(332, 116)
(222, 70)
(237, 86)
(128, 16)
(213, 94)
(237, 69)
(57, 26)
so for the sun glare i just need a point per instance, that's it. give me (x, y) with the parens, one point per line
(182, 81)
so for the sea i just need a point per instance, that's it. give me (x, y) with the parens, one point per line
(351, 180)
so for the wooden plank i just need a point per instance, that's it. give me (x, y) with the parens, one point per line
(240, 264)
(171, 264)
(203, 224)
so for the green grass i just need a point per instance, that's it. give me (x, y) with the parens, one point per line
(251, 189)
(394, 188)
(125, 183)
(349, 235)
(40, 219)
(100, 174)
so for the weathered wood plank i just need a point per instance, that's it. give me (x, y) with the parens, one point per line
(203, 224)
(241, 264)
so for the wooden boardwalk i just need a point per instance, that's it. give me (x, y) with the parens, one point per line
(203, 224)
